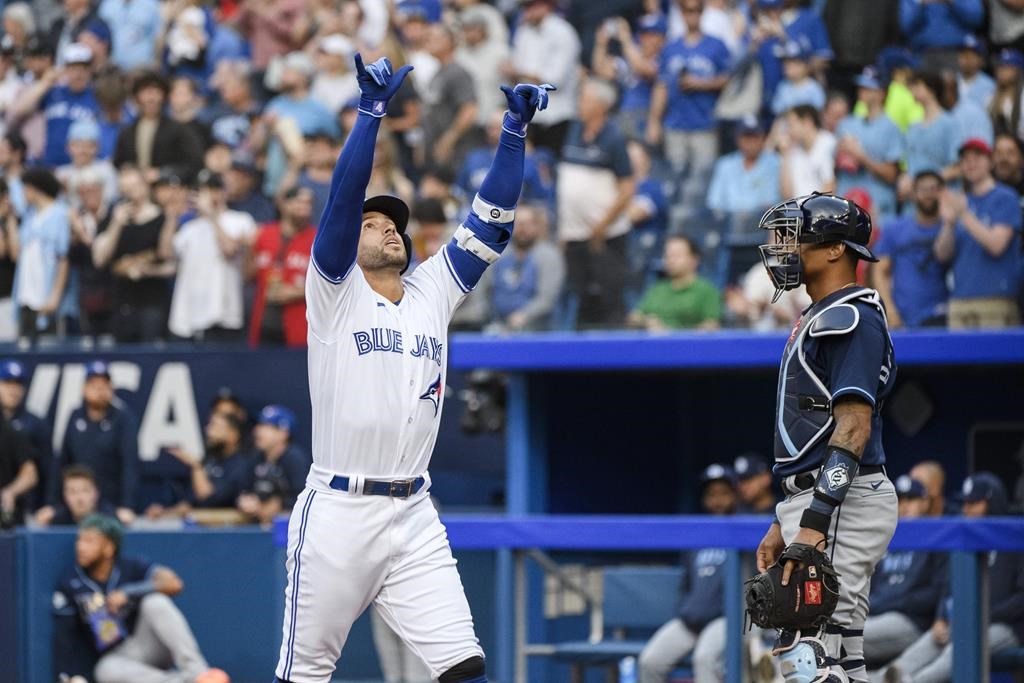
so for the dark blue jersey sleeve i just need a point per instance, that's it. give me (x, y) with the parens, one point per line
(337, 237)
(854, 361)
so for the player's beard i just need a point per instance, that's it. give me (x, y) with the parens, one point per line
(379, 258)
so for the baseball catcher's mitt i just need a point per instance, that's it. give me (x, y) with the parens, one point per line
(809, 599)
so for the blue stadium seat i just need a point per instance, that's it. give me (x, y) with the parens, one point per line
(637, 601)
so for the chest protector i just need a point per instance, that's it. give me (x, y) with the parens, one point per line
(804, 401)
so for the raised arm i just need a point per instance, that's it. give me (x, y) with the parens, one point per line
(485, 233)
(337, 238)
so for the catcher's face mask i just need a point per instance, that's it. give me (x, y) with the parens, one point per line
(781, 256)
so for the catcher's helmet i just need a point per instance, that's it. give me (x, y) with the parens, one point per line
(812, 219)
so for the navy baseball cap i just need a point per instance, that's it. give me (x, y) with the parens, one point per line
(652, 23)
(392, 207)
(792, 49)
(870, 78)
(1010, 57)
(12, 371)
(910, 488)
(277, 416)
(974, 44)
(750, 465)
(97, 368)
(895, 58)
(717, 472)
(750, 124)
(985, 486)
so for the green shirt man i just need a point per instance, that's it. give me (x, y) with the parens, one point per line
(682, 300)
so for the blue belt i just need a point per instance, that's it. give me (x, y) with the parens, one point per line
(399, 488)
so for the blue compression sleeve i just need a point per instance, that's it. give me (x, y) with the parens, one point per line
(337, 237)
(504, 180)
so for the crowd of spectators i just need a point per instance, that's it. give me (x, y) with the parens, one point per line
(164, 164)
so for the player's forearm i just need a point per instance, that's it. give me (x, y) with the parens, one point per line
(994, 240)
(945, 242)
(853, 425)
(28, 477)
(337, 237)
(885, 171)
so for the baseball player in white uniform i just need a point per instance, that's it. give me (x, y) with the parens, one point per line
(363, 530)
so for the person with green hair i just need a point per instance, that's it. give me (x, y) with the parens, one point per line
(114, 619)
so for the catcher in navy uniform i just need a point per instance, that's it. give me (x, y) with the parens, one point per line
(840, 508)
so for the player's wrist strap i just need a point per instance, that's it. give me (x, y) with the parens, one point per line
(375, 108)
(830, 488)
(514, 125)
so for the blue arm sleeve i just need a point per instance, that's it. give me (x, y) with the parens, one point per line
(337, 237)
(500, 188)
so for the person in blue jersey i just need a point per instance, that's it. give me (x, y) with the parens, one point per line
(694, 69)
(905, 589)
(936, 30)
(973, 83)
(837, 370)
(910, 280)
(536, 187)
(699, 627)
(635, 70)
(870, 148)
(930, 657)
(932, 142)
(798, 85)
(378, 369)
(648, 215)
(745, 181)
(62, 101)
(980, 237)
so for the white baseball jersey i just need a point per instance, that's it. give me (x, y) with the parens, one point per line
(377, 369)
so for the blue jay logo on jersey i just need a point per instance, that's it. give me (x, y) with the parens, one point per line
(433, 394)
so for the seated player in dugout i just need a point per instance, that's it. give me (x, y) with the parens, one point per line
(377, 369)
(114, 620)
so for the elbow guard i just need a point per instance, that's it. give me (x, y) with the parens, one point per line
(479, 242)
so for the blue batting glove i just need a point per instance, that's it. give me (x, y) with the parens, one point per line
(524, 101)
(377, 84)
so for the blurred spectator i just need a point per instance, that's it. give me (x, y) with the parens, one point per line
(936, 30)
(230, 117)
(930, 657)
(910, 280)
(29, 122)
(694, 70)
(482, 53)
(186, 38)
(388, 177)
(268, 26)
(546, 47)
(18, 474)
(933, 142)
(1008, 162)
(88, 298)
(749, 304)
(931, 474)
(135, 29)
(973, 83)
(497, 26)
(1005, 106)
(42, 271)
(700, 627)
(438, 182)
(80, 497)
(745, 181)
(414, 31)
(112, 95)
(113, 618)
(648, 218)
(808, 154)
(635, 71)
(291, 115)
(103, 437)
(973, 119)
(858, 31)
(219, 478)
(335, 81)
(83, 148)
(527, 281)
(428, 229)
(62, 104)
(19, 23)
(155, 140)
(184, 104)
(1005, 25)
(96, 36)
(900, 104)
(837, 108)
(536, 188)
(242, 184)
(12, 163)
(683, 300)
(595, 186)
(754, 484)
(280, 473)
(905, 588)
(130, 247)
(797, 85)
(980, 236)
(450, 109)
(8, 255)
(78, 16)
(207, 301)
(280, 258)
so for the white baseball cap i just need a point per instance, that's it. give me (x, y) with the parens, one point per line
(338, 45)
(78, 53)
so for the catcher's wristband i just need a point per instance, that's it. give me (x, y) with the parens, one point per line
(830, 488)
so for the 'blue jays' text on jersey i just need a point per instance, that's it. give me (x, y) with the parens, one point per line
(839, 347)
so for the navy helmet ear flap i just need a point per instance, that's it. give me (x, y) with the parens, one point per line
(407, 242)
